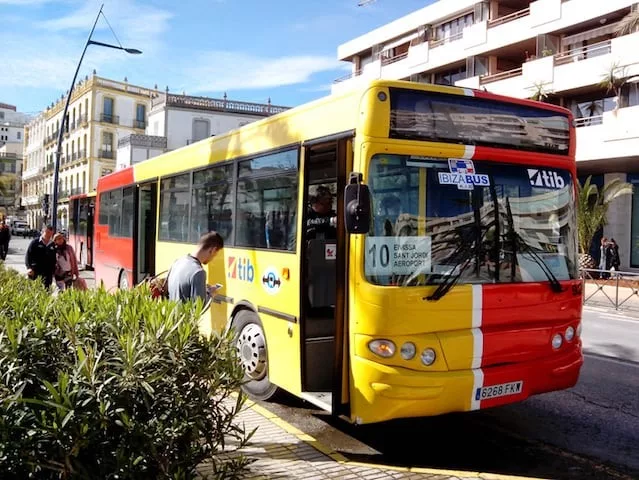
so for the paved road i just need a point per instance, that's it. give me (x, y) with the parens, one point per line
(590, 431)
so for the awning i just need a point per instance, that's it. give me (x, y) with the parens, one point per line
(590, 34)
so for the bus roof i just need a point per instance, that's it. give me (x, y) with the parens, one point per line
(278, 130)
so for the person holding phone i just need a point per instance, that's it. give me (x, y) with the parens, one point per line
(186, 279)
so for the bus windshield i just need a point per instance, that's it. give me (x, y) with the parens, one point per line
(481, 221)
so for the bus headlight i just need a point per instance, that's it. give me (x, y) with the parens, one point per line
(408, 351)
(428, 357)
(570, 334)
(557, 341)
(383, 348)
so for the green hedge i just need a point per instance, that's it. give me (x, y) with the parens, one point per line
(99, 385)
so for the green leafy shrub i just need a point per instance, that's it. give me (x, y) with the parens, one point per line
(99, 385)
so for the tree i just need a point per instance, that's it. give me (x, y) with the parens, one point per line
(539, 92)
(592, 208)
(613, 81)
(628, 24)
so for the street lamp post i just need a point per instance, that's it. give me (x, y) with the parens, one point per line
(58, 152)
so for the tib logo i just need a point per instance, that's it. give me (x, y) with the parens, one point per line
(544, 178)
(241, 268)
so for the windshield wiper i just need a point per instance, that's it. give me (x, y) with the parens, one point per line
(518, 242)
(462, 255)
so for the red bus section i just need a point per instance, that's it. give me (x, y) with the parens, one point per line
(114, 212)
(81, 225)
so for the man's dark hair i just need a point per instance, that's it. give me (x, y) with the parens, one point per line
(49, 227)
(211, 240)
(321, 192)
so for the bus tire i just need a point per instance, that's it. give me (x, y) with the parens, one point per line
(250, 343)
(123, 281)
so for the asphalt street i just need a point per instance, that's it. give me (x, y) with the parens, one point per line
(589, 431)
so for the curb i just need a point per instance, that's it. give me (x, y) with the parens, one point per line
(341, 459)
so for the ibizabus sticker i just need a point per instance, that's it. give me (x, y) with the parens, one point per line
(463, 174)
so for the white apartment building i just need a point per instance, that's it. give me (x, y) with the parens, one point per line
(101, 112)
(559, 50)
(175, 121)
(11, 124)
(11, 140)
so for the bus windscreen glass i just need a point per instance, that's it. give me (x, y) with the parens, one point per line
(438, 117)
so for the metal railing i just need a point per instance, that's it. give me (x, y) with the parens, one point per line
(107, 118)
(605, 288)
(344, 78)
(106, 154)
(495, 77)
(442, 41)
(508, 18)
(584, 53)
(588, 121)
(396, 58)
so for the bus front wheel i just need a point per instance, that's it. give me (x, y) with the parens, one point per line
(123, 281)
(250, 343)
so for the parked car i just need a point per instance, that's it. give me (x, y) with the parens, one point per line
(21, 228)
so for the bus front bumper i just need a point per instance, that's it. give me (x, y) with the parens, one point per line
(384, 392)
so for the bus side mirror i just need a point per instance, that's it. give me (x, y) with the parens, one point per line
(357, 205)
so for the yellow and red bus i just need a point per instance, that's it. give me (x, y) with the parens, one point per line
(80, 234)
(448, 282)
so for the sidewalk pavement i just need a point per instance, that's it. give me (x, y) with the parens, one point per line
(281, 451)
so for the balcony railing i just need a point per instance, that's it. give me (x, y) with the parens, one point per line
(106, 153)
(106, 118)
(354, 74)
(141, 124)
(81, 121)
(76, 191)
(584, 53)
(589, 121)
(495, 77)
(396, 58)
(445, 40)
(508, 18)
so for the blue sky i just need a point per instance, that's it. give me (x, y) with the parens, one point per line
(252, 49)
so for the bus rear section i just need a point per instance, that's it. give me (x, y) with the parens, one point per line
(468, 294)
(81, 225)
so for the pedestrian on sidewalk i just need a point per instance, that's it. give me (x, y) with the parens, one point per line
(66, 267)
(615, 260)
(186, 279)
(5, 237)
(40, 258)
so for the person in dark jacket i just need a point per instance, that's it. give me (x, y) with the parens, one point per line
(615, 260)
(5, 236)
(321, 219)
(40, 258)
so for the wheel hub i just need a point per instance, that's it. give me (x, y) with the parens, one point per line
(251, 350)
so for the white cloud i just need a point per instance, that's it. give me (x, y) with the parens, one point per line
(133, 22)
(219, 71)
(46, 56)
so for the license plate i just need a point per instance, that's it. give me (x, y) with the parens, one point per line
(501, 390)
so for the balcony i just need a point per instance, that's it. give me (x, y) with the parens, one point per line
(107, 118)
(354, 74)
(611, 136)
(141, 124)
(515, 72)
(584, 53)
(107, 154)
(29, 200)
(443, 41)
(76, 191)
(494, 22)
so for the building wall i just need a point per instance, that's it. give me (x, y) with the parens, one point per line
(81, 162)
(180, 124)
